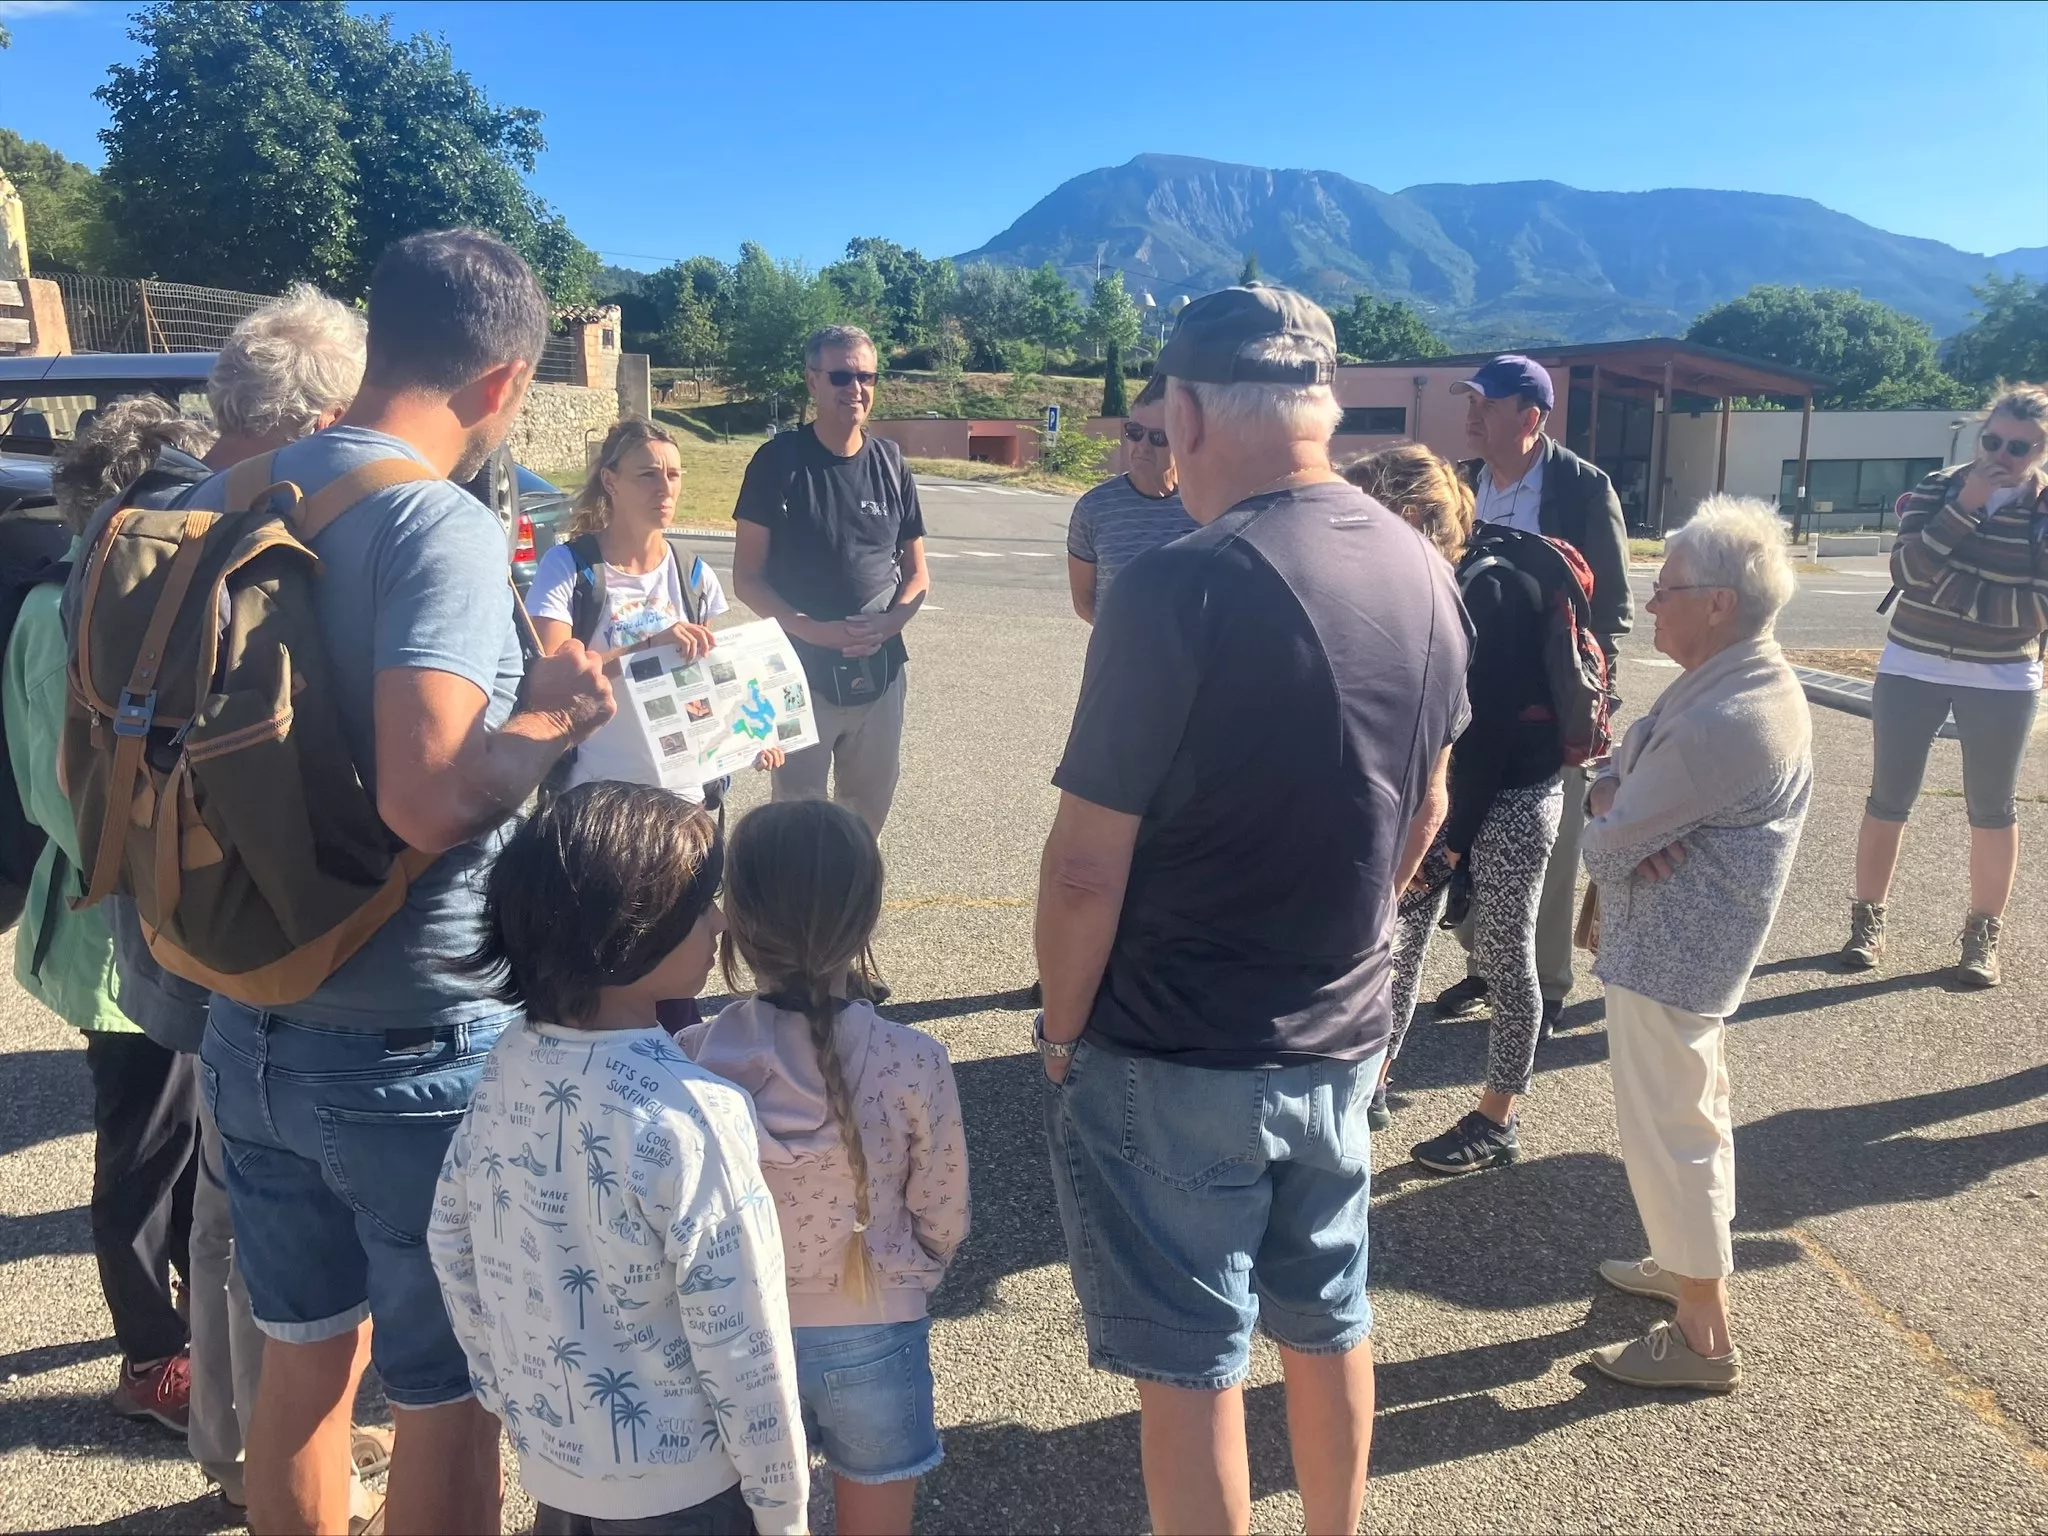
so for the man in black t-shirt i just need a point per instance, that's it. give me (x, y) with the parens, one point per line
(1255, 769)
(831, 544)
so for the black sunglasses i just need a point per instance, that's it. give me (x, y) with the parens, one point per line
(2014, 447)
(1137, 434)
(841, 377)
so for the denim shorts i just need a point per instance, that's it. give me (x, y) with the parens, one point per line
(867, 1396)
(1197, 1203)
(332, 1141)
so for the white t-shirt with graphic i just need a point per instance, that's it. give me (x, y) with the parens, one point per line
(636, 606)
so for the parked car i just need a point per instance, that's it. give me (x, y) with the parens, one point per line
(43, 400)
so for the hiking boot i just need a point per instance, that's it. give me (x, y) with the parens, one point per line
(1866, 937)
(1462, 1000)
(1979, 967)
(162, 1392)
(1641, 1279)
(1475, 1142)
(1662, 1358)
(1377, 1115)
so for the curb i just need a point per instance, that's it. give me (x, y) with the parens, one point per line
(686, 532)
(1851, 695)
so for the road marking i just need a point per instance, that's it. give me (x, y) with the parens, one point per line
(1977, 1399)
(1033, 554)
(940, 554)
(1654, 661)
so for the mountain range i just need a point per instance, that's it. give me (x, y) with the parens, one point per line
(1491, 263)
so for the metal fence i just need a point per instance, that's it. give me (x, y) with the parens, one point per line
(127, 314)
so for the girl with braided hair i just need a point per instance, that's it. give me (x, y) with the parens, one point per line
(861, 1145)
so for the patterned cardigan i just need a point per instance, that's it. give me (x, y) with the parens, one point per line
(1973, 585)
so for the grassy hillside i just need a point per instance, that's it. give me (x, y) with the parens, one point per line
(902, 394)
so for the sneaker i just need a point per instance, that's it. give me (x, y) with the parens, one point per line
(1475, 1142)
(162, 1392)
(1641, 1279)
(1979, 967)
(1866, 937)
(370, 1450)
(1377, 1115)
(1662, 1358)
(1463, 999)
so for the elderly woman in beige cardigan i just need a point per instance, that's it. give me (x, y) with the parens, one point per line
(1695, 821)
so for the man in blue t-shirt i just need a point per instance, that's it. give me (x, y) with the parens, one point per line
(1256, 766)
(334, 1112)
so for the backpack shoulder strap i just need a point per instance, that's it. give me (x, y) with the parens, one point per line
(586, 602)
(247, 481)
(318, 512)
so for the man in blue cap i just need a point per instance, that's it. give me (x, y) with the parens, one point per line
(1524, 478)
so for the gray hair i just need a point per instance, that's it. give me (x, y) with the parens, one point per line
(122, 441)
(1738, 542)
(851, 337)
(1307, 412)
(287, 364)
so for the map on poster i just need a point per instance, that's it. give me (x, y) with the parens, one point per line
(700, 720)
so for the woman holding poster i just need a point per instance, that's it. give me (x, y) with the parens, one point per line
(617, 583)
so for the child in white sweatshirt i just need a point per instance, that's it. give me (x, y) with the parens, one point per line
(610, 1258)
(861, 1143)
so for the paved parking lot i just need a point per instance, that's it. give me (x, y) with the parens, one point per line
(1891, 1231)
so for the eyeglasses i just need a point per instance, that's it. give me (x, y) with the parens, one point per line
(1134, 433)
(2014, 447)
(841, 377)
(1659, 590)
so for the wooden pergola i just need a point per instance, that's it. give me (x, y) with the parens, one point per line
(1662, 368)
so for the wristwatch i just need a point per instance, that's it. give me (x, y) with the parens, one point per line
(1050, 1050)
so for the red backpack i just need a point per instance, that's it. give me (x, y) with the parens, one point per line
(1573, 660)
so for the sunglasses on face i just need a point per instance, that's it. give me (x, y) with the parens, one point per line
(1137, 434)
(839, 378)
(2012, 447)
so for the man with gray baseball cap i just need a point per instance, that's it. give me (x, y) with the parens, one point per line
(1255, 769)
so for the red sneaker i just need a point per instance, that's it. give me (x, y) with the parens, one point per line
(162, 1392)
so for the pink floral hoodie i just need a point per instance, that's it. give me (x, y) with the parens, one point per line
(909, 1113)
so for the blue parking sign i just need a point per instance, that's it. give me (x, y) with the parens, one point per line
(1052, 421)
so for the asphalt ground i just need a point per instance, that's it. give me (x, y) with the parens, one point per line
(1892, 1170)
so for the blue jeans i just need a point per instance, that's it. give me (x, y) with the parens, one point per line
(332, 1141)
(867, 1396)
(1197, 1203)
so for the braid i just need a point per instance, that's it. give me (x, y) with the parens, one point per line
(859, 1279)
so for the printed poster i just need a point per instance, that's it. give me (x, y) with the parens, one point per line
(701, 720)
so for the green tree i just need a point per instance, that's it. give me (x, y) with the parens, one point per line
(1877, 358)
(1250, 274)
(2008, 341)
(1113, 319)
(993, 306)
(1052, 310)
(257, 144)
(914, 291)
(1114, 401)
(774, 306)
(691, 339)
(861, 298)
(1384, 331)
(64, 205)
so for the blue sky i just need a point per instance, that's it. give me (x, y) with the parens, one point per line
(675, 129)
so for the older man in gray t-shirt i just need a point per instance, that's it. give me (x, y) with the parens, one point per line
(1122, 518)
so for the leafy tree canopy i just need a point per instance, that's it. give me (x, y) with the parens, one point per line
(2008, 343)
(1877, 357)
(1113, 318)
(261, 144)
(774, 306)
(1384, 331)
(63, 204)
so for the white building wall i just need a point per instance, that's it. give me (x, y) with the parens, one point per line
(1760, 441)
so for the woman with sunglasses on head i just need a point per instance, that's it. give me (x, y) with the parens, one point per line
(1967, 635)
(1122, 518)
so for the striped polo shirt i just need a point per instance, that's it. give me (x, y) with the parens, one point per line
(1116, 522)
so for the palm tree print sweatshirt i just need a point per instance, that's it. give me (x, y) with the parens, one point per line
(612, 1264)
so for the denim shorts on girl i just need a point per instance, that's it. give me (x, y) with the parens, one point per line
(867, 1396)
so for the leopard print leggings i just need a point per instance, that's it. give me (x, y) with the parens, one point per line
(1508, 859)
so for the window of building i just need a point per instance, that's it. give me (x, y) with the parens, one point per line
(1868, 486)
(1374, 421)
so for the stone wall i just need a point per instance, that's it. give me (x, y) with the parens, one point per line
(562, 425)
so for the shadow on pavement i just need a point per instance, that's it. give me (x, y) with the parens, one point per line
(1015, 1000)
(1452, 1053)
(48, 1096)
(1809, 999)
(55, 1357)
(1803, 1163)
(46, 1233)
(1016, 1222)
(70, 1422)
(203, 1514)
